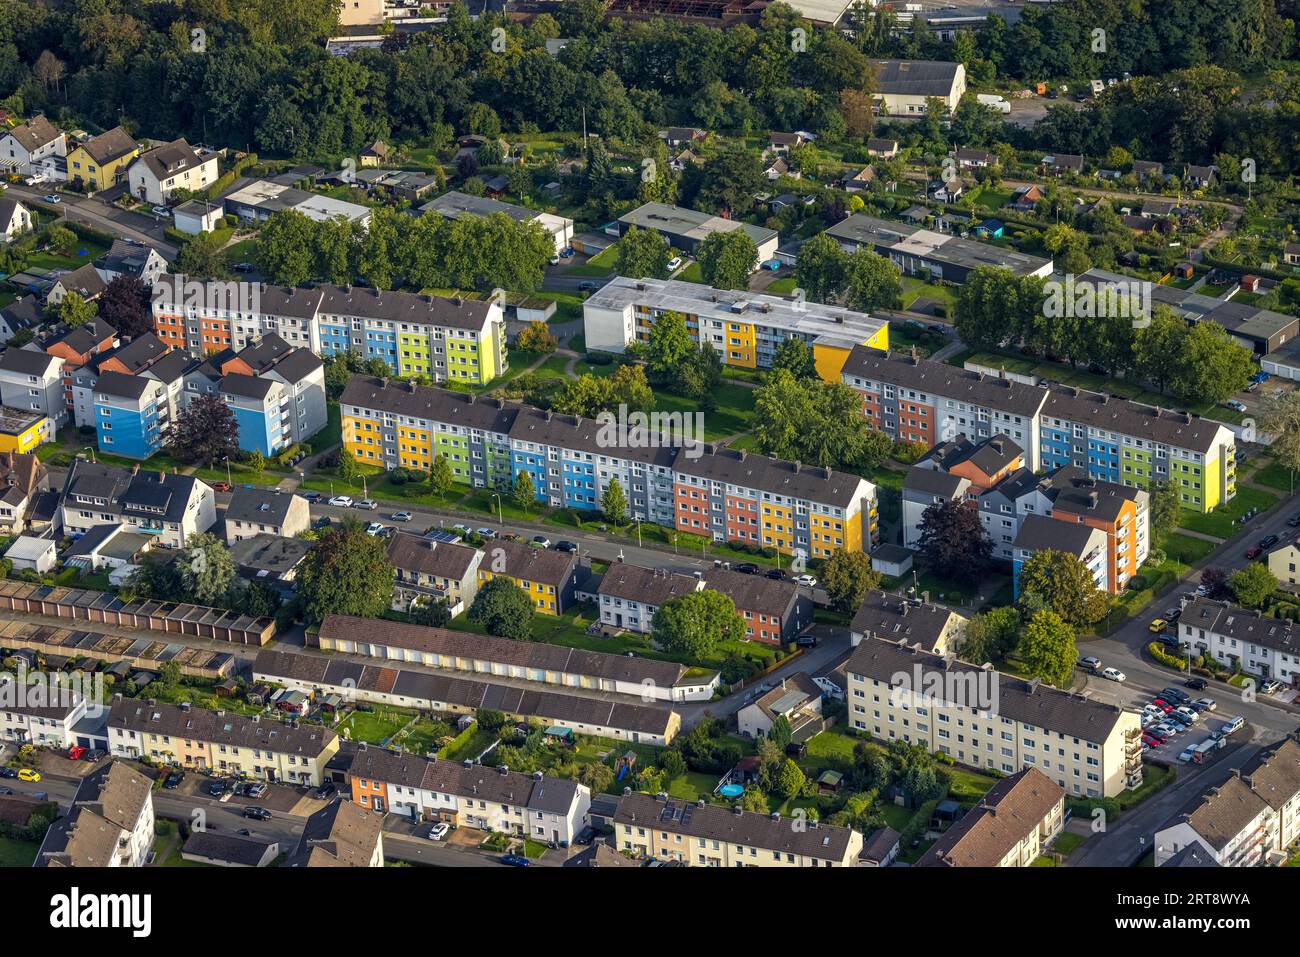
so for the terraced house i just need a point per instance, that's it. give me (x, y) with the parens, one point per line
(719, 493)
(708, 835)
(1107, 438)
(745, 328)
(534, 805)
(549, 578)
(456, 339)
(221, 741)
(985, 719)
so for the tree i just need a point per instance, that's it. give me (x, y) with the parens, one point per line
(614, 503)
(847, 576)
(348, 469)
(346, 573)
(1211, 366)
(503, 609)
(536, 337)
(731, 179)
(206, 568)
(727, 259)
(285, 252)
(125, 306)
(698, 376)
(1047, 648)
(76, 311)
(789, 779)
(695, 624)
(202, 257)
(642, 254)
(523, 494)
(1165, 508)
(820, 270)
(1062, 584)
(953, 544)
(1215, 582)
(256, 461)
(1279, 418)
(440, 476)
(596, 776)
(434, 613)
(810, 421)
(872, 281)
(667, 346)
(780, 733)
(205, 432)
(990, 635)
(1253, 585)
(794, 356)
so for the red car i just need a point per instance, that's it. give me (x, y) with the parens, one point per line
(1150, 740)
(1163, 705)
(1253, 552)
(76, 753)
(1155, 736)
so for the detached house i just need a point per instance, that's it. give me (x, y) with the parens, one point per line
(84, 281)
(798, 699)
(34, 148)
(22, 478)
(1201, 177)
(101, 161)
(155, 175)
(1010, 826)
(131, 259)
(110, 824)
(253, 511)
(15, 219)
(170, 507)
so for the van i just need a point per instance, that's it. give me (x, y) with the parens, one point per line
(1231, 726)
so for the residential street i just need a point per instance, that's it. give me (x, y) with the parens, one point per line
(93, 212)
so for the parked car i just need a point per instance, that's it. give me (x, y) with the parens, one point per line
(1196, 684)
(29, 775)
(1171, 615)
(174, 780)
(439, 831)
(515, 860)
(1270, 686)
(747, 568)
(324, 792)
(1154, 738)
(341, 501)
(1114, 674)
(1188, 712)
(541, 541)
(1253, 552)
(807, 581)
(1168, 729)
(255, 790)
(367, 504)
(161, 211)
(8, 773)
(586, 835)
(94, 754)
(1175, 695)
(485, 532)
(1236, 405)
(1090, 663)
(775, 574)
(1205, 704)
(313, 497)
(1188, 752)
(772, 264)
(796, 749)
(675, 264)
(245, 267)
(217, 788)
(1231, 726)
(1268, 541)
(566, 546)
(76, 752)
(1164, 706)
(375, 528)
(588, 285)
(401, 516)
(51, 198)
(1294, 521)
(256, 813)
(221, 486)
(1157, 625)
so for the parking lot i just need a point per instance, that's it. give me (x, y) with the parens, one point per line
(277, 798)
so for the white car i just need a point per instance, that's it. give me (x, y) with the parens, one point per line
(463, 529)
(161, 211)
(1168, 729)
(341, 501)
(1114, 674)
(486, 532)
(1188, 752)
(807, 581)
(439, 831)
(1189, 713)
(374, 528)
(675, 263)
(401, 516)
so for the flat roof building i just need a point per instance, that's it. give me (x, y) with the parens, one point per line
(687, 228)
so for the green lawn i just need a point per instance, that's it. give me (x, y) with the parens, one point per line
(377, 726)
(1219, 522)
(1184, 548)
(734, 412)
(1274, 475)
(332, 434)
(469, 747)
(14, 853)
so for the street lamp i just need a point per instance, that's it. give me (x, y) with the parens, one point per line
(500, 514)
(638, 533)
(226, 459)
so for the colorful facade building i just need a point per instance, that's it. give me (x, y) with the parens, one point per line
(1107, 438)
(717, 493)
(548, 577)
(446, 339)
(101, 161)
(745, 328)
(23, 431)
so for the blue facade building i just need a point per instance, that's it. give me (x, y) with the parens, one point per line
(131, 414)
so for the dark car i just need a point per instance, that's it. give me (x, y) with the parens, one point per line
(1175, 695)
(324, 792)
(566, 546)
(586, 835)
(1294, 521)
(174, 780)
(776, 574)
(1196, 684)
(796, 749)
(1268, 541)
(217, 788)
(515, 860)
(747, 568)
(94, 754)
(588, 285)
(8, 773)
(256, 813)
(313, 497)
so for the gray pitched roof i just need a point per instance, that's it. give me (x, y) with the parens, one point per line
(915, 77)
(259, 505)
(894, 618)
(938, 378)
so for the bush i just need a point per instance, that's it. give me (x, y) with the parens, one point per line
(1159, 654)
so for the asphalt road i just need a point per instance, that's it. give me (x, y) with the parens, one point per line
(121, 223)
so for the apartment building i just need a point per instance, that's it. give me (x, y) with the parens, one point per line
(708, 835)
(132, 417)
(154, 176)
(724, 494)
(110, 823)
(456, 205)
(169, 507)
(429, 571)
(625, 719)
(1039, 533)
(548, 577)
(1250, 818)
(470, 795)
(77, 348)
(1106, 438)
(294, 406)
(890, 617)
(449, 650)
(222, 741)
(456, 339)
(1268, 648)
(1010, 826)
(744, 328)
(33, 381)
(685, 229)
(774, 612)
(985, 719)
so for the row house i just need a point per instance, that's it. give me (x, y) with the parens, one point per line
(745, 328)
(1239, 638)
(446, 339)
(429, 570)
(45, 716)
(1107, 438)
(1250, 818)
(1010, 826)
(341, 834)
(534, 806)
(548, 577)
(450, 650)
(697, 834)
(170, 508)
(719, 493)
(221, 741)
(983, 719)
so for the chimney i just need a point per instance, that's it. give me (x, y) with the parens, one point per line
(1092, 500)
(135, 469)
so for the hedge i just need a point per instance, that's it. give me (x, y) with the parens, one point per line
(1168, 660)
